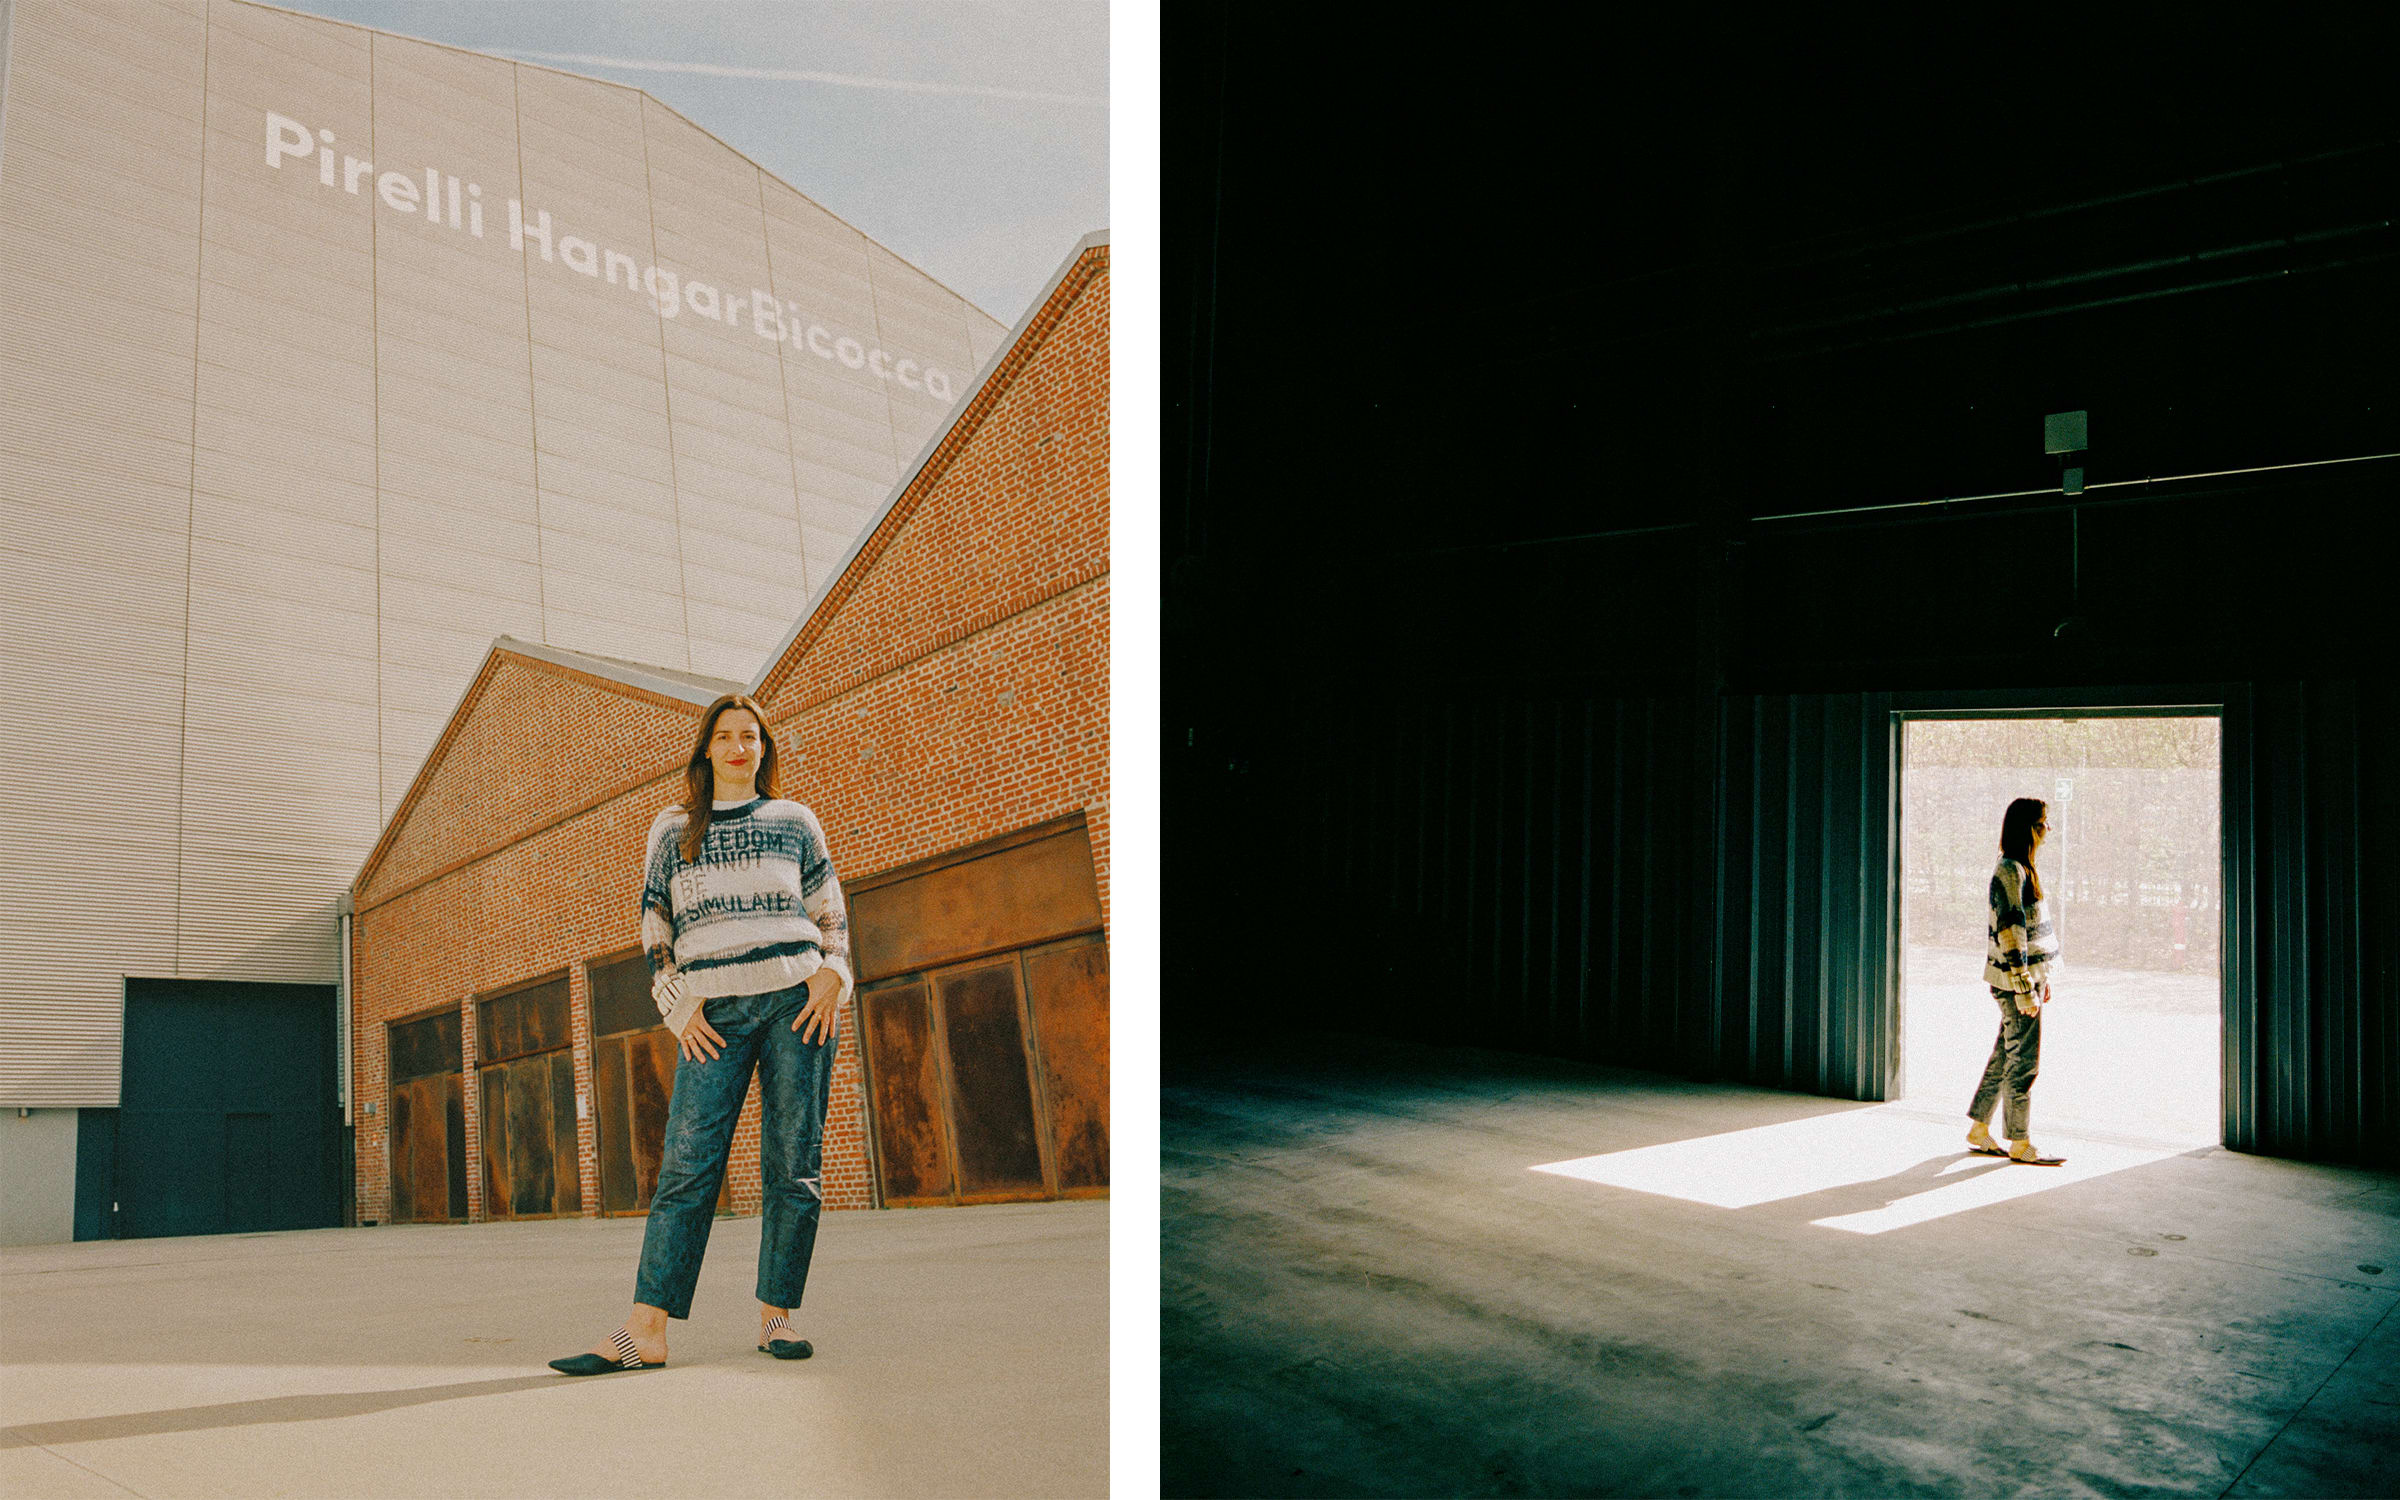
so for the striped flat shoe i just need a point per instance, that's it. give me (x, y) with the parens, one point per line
(783, 1348)
(628, 1358)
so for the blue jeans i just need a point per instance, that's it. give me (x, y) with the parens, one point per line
(795, 1082)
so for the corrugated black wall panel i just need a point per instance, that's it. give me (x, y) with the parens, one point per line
(1802, 890)
(1522, 873)
(2313, 938)
(1506, 873)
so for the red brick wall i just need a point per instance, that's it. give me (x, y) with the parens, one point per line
(953, 687)
(550, 895)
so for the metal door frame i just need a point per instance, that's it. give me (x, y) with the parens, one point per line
(2229, 704)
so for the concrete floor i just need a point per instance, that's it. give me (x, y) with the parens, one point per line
(1368, 1288)
(960, 1351)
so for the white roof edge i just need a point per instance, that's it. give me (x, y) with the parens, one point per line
(632, 674)
(561, 656)
(916, 467)
(631, 88)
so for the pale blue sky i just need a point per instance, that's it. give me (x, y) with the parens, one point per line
(971, 138)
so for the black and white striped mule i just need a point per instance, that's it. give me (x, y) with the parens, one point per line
(628, 1358)
(783, 1348)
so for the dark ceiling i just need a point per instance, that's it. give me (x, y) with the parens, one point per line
(1430, 288)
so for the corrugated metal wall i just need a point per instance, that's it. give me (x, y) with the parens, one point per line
(1526, 875)
(1521, 875)
(1510, 874)
(1804, 891)
(2312, 939)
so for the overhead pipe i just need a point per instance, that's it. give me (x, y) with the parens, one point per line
(1898, 242)
(2106, 484)
(2034, 215)
(1944, 502)
(2061, 310)
(2073, 278)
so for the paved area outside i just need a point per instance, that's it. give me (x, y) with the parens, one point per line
(2131, 1053)
(960, 1351)
(1406, 1270)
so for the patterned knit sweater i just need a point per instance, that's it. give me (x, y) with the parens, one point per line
(760, 910)
(2021, 946)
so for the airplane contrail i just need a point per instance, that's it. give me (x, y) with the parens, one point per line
(794, 75)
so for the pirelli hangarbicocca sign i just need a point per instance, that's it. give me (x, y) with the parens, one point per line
(327, 358)
(768, 316)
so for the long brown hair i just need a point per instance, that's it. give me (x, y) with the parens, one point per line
(2016, 835)
(700, 773)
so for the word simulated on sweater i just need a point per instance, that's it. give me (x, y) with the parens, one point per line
(2022, 946)
(760, 910)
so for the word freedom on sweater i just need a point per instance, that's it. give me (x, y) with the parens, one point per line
(440, 200)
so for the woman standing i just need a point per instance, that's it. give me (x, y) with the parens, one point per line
(743, 918)
(2020, 950)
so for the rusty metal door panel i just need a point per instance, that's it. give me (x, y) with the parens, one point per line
(454, 1113)
(419, 1193)
(566, 1152)
(406, 1130)
(428, 1119)
(1067, 991)
(497, 1198)
(531, 1169)
(499, 1030)
(549, 1025)
(529, 1144)
(429, 1044)
(634, 1081)
(992, 1110)
(651, 1066)
(620, 996)
(1019, 896)
(533, 1019)
(905, 1084)
(613, 1125)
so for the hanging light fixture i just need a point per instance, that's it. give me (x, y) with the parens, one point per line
(2066, 435)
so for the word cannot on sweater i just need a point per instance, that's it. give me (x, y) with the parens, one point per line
(2021, 947)
(759, 910)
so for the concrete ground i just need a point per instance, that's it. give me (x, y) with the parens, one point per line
(960, 1351)
(1402, 1270)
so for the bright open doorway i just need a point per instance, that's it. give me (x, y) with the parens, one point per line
(2132, 1043)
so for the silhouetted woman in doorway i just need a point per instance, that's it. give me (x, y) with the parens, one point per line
(2021, 945)
(749, 946)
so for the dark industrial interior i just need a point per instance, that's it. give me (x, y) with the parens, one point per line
(1580, 453)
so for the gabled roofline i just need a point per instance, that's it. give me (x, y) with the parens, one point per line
(916, 468)
(669, 682)
(695, 688)
(631, 88)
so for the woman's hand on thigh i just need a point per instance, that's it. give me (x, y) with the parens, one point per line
(822, 1016)
(700, 1041)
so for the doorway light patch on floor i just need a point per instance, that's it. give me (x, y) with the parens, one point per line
(1745, 1168)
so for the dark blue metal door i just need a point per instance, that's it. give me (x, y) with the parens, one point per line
(227, 1119)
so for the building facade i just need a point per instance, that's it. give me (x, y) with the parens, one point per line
(942, 705)
(328, 356)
